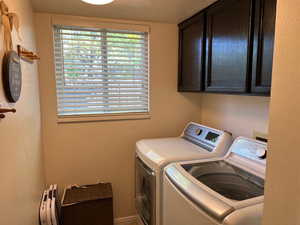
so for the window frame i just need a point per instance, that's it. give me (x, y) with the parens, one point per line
(97, 24)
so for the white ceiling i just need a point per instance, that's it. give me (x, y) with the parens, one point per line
(169, 11)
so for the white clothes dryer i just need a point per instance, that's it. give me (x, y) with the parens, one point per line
(152, 155)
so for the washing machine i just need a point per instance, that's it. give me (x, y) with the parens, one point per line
(227, 190)
(152, 155)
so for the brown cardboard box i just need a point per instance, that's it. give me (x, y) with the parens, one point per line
(88, 205)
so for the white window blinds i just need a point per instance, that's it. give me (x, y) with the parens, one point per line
(100, 71)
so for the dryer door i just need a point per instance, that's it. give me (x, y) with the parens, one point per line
(145, 192)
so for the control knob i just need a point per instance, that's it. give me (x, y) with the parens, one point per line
(261, 153)
(198, 131)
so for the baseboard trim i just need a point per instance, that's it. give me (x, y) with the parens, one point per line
(129, 220)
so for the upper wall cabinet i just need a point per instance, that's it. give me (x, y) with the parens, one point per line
(263, 43)
(191, 43)
(227, 46)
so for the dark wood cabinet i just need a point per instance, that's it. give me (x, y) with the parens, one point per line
(227, 46)
(263, 44)
(191, 52)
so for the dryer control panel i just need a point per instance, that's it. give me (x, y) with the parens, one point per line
(203, 136)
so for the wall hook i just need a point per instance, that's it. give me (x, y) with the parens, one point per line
(2, 111)
(27, 55)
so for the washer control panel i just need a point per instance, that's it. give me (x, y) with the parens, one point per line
(203, 136)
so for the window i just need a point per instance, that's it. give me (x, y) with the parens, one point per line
(100, 71)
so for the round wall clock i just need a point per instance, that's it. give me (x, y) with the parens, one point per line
(12, 76)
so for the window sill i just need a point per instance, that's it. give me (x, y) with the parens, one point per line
(99, 118)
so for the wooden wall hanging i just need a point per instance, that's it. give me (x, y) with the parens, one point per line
(11, 67)
(9, 21)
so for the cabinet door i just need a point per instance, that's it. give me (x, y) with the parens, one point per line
(191, 43)
(263, 42)
(228, 46)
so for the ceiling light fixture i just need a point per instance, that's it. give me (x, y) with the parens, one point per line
(98, 2)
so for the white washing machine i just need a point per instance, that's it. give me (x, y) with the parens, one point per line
(152, 155)
(221, 191)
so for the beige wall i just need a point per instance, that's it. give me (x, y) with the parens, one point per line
(241, 115)
(21, 167)
(104, 151)
(282, 205)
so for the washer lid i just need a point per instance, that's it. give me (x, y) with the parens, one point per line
(206, 201)
(157, 153)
